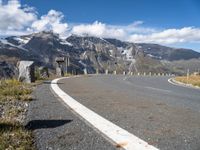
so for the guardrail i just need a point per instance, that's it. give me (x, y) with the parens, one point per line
(107, 72)
(137, 73)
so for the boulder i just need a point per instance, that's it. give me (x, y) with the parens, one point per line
(26, 71)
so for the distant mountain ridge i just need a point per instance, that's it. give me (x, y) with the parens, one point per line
(93, 53)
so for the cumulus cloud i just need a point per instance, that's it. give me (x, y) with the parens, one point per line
(18, 20)
(15, 17)
(51, 21)
(169, 36)
(136, 33)
(98, 29)
(122, 32)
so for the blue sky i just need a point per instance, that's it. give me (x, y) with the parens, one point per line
(155, 13)
(173, 23)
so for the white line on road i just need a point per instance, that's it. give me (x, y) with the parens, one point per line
(119, 136)
(148, 87)
(174, 82)
(125, 78)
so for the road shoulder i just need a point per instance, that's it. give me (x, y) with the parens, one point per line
(55, 127)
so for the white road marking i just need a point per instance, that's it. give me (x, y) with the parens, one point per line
(171, 80)
(148, 87)
(125, 78)
(122, 138)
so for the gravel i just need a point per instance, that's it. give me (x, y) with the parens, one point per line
(17, 108)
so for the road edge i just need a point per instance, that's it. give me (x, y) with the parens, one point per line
(177, 83)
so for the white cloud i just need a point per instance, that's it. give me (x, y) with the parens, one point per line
(135, 27)
(136, 33)
(98, 29)
(15, 18)
(110, 31)
(169, 36)
(51, 21)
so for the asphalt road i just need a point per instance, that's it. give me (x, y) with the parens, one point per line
(162, 114)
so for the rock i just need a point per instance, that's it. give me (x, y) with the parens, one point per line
(26, 71)
(7, 70)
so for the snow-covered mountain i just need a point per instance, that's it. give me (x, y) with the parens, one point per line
(92, 53)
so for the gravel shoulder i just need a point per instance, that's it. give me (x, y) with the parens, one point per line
(55, 127)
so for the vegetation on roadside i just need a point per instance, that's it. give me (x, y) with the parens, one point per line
(192, 79)
(14, 97)
(14, 90)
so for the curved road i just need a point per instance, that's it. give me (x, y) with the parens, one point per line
(164, 115)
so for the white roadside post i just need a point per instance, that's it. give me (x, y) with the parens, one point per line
(106, 71)
(124, 73)
(85, 71)
(149, 73)
(188, 73)
(97, 71)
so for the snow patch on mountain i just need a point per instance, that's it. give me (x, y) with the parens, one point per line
(82, 63)
(4, 41)
(24, 40)
(152, 56)
(64, 42)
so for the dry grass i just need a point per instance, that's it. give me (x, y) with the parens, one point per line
(194, 80)
(13, 98)
(14, 136)
(13, 89)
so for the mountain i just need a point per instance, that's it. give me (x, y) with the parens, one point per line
(168, 53)
(93, 53)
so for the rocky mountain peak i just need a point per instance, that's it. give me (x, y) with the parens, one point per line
(92, 52)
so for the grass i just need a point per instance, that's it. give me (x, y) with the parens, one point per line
(13, 89)
(193, 80)
(13, 134)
